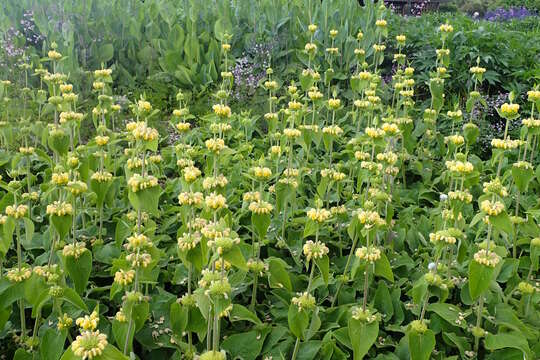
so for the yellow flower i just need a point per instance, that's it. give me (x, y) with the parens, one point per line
(446, 28)
(487, 258)
(89, 344)
(102, 140)
(261, 207)
(304, 301)
(64, 322)
(88, 322)
(381, 23)
(74, 250)
(27, 150)
(261, 173)
(374, 133)
(369, 254)
(533, 95)
(319, 215)
(401, 39)
(102, 176)
(332, 130)
(379, 47)
(509, 110)
(191, 173)
(190, 198)
(222, 111)
(138, 242)
(292, 133)
(507, 144)
(124, 277)
(137, 182)
(16, 212)
(215, 145)
(54, 55)
(477, 70)
(314, 250)
(215, 201)
(18, 275)
(492, 208)
(59, 208)
(461, 167)
(60, 179)
(141, 131)
(188, 241)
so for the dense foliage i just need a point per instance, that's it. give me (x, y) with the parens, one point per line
(320, 187)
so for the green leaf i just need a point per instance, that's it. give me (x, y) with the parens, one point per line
(62, 224)
(278, 274)
(323, 264)
(179, 318)
(52, 344)
(146, 200)
(513, 340)
(240, 312)
(298, 321)
(22, 354)
(448, 312)
(79, 269)
(246, 345)
(7, 235)
(72, 297)
(383, 268)
(362, 336)
(261, 222)
(106, 53)
(421, 345)
(235, 257)
(100, 188)
(480, 277)
(502, 222)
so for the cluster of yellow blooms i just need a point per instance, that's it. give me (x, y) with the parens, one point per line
(319, 215)
(314, 250)
(74, 250)
(89, 344)
(124, 277)
(60, 178)
(509, 110)
(506, 144)
(304, 301)
(102, 176)
(492, 208)
(215, 201)
(487, 258)
(141, 131)
(461, 167)
(191, 173)
(261, 173)
(369, 218)
(59, 208)
(370, 254)
(18, 275)
(138, 182)
(222, 111)
(188, 241)
(261, 207)
(16, 212)
(190, 198)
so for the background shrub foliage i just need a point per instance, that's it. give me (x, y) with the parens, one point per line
(275, 180)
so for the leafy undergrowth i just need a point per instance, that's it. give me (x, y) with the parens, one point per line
(343, 223)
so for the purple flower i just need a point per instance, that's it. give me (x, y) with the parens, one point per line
(505, 14)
